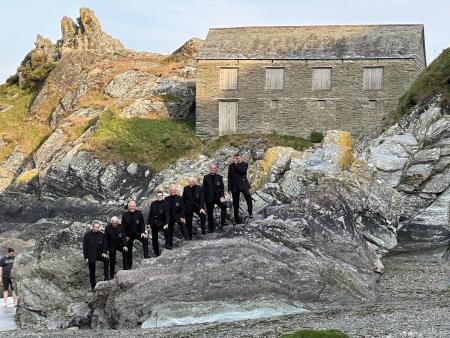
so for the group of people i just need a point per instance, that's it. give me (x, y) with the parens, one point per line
(163, 215)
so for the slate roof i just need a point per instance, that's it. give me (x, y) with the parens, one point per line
(314, 42)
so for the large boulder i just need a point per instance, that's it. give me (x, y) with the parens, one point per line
(302, 255)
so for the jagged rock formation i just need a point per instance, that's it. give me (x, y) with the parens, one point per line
(86, 35)
(76, 80)
(413, 156)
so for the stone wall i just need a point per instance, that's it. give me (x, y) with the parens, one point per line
(298, 112)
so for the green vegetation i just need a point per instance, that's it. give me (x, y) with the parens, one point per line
(13, 79)
(154, 142)
(33, 78)
(309, 333)
(435, 79)
(271, 140)
(160, 142)
(17, 129)
(316, 137)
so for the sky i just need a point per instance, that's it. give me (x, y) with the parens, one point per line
(163, 26)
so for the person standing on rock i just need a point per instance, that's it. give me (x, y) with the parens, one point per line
(134, 229)
(214, 194)
(115, 242)
(176, 208)
(95, 249)
(193, 201)
(237, 184)
(6, 264)
(158, 219)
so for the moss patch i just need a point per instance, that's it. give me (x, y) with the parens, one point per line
(346, 156)
(435, 79)
(309, 333)
(16, 127)
(156, 143)
(26, 176)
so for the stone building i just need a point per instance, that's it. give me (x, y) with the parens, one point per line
(295, 80)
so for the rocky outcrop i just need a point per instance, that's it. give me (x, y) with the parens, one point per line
(152, 96)
(85, 35)
(75, 81)
(302, 251)
(316, 241)
(413, 156)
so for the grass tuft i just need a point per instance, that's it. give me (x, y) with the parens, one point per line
(156, 143)
(16, 128)
(271, 140)
(435, 79)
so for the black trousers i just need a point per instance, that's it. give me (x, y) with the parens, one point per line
(130, 243)
(7, 283)
(183, 230)
(190, 215)
(155, 242)
(210, 213)
(92, 269)
(112, 261)
(248, 198)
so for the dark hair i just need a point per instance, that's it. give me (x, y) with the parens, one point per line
(237, 155)
(10, 250)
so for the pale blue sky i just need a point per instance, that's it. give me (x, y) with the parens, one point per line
(162, 26)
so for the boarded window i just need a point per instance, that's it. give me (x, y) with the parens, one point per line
(321, 78)
(228, 78)
(228, 117)
(274, 78)
(373, 78)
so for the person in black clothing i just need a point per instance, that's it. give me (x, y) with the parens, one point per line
(134, 229)
(158, 219)
(94, 249)
(237, 184)
(193, 202)
(115, 242)
(214, 194)
(6, 264)
(176, 208)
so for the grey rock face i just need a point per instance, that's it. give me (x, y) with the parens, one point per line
(413, 157)
(307, 253)
(150, 95)
(80, 175)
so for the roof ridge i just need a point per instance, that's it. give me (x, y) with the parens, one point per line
(320, 25)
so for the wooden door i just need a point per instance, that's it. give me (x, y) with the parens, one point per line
(228, 117)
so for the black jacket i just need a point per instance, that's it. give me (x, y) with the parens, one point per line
(133, 224)
(192, 198)
(237, 177)
(159, 214)
(176, 207)
(212, 190)
(94, 244)
(114, 237)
